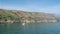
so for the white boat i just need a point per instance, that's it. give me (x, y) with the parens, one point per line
(23, 23)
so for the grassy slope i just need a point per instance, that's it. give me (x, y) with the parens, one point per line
(7, 15)
(15, 15)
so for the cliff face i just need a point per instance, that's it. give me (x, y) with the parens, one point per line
(26, 17)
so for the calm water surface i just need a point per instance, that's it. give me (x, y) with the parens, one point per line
(34, 28)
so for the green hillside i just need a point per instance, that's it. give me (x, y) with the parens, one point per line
(28, 17)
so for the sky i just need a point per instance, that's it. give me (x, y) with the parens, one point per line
(48, 6)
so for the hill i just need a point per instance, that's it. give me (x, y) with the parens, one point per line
(18, 16)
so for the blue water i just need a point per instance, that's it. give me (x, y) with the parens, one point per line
(33, 28)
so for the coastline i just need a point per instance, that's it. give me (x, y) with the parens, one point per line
(5, 22)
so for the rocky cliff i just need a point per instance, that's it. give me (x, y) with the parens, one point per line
(18, 16)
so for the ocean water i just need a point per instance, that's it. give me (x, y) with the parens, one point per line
(33, 28)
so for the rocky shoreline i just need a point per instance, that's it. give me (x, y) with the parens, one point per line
(31, 21)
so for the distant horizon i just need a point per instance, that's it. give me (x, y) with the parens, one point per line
(46, 6)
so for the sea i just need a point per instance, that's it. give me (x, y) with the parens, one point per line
(30, 28)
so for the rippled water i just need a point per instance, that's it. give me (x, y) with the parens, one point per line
(33, 28)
